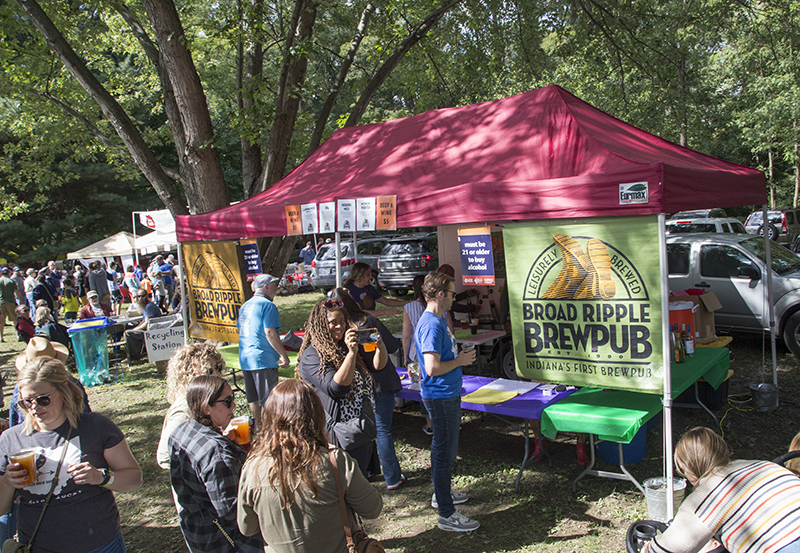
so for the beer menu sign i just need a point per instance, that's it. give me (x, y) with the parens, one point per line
(585, 301)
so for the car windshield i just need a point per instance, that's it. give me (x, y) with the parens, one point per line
(330, 254)
(783, 261)
(397, 248)
(756, 217)
(691, 227)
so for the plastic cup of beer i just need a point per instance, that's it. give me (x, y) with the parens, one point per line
(242, 426)
(473, 326)
(370, 346)
(27, 459)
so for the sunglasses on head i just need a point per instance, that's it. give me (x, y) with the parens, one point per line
(228, 401)
(219, 367)
(333, 304)
(41, 401)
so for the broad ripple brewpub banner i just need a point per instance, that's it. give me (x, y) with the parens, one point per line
(585, 301)
(216, 291)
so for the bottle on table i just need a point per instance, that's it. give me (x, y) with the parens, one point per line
(688, 340)
(679, 352)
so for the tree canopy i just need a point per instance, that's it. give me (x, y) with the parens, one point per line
(117, 105)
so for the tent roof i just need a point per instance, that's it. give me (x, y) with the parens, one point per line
(538, 155)
(152, 241)
(118, 244)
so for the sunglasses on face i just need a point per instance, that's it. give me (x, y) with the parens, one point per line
(228, 401)
(332, 304)
(41, 401)
(141, 295)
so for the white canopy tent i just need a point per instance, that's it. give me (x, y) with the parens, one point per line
(118, 244)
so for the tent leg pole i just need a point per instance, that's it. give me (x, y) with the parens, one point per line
(667, 360)
(184, 298)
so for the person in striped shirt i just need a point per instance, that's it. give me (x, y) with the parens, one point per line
(748, 506)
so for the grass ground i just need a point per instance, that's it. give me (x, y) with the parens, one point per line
(544, 517)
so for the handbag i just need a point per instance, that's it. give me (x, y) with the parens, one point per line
(356, 432)
(358, 542)
(13, 546)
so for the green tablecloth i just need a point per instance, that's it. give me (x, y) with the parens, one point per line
(618, 415)
(231, 355)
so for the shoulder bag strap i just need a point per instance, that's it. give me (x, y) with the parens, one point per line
(224, 533)
(345, 519)
(52, 488)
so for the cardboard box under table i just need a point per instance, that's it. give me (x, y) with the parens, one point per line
(617, 415)
(527, 405)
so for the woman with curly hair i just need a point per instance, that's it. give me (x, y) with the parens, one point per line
(205, 464)
(386, 385)
(332, 361)
(189, 361)
(287, 490)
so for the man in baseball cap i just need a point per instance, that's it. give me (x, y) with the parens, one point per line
(260, 348)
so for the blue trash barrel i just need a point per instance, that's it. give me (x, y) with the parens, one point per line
(90, 344)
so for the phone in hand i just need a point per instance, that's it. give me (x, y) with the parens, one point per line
(367, 335)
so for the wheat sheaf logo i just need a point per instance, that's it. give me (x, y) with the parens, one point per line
(584, 275)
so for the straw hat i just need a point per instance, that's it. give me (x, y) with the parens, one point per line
(40, 346)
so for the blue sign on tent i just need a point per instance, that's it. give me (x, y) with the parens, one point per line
(477, 263)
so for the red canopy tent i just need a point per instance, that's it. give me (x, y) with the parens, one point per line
(538, 155)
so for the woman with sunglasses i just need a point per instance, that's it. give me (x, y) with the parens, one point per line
(190, 361)
(331, 360)
(287, 493)
(82, 514)
(24, 325)
(205, 464)
(386, 385)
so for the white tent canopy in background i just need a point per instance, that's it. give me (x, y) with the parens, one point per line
(156, 241)
(119, 244)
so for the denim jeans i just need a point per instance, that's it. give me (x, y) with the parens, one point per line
(8, 523)
(446, 417)
(384, 407)
(117, 545)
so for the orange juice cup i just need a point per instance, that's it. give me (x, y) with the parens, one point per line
(242, 425)
(27, 459)
(370, 346)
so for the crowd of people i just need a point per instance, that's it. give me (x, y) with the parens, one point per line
(312, 443)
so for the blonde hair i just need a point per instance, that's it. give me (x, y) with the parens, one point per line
(357, 271)
(188, 362)
(41, 316)
(794, 464)
(53, 372)
(700, 451)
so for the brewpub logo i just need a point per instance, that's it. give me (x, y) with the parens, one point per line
(215, 291)
(586, 309)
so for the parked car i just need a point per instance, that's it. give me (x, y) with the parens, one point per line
(700, 214)
(705, 224)
(733, 266)
(404, 258)
(323, 268)
(784, 224)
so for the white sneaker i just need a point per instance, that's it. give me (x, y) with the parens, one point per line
(458, 523)
(458, 499)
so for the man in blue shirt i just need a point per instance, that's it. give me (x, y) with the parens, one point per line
(440, 368)
(307, 255)
(260, 349)
(134, 337)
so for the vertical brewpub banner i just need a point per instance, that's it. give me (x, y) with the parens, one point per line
(216, 290)
(585, 301)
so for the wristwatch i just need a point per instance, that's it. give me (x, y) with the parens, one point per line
(108, 478)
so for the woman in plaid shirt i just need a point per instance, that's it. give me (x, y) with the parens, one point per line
(205, 464)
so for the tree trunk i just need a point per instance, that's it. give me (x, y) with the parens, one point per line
(204, 185)
(388, 66)
(322, 120)
(287, 102)
(170, 106)
(250, 66)
(117, 116)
